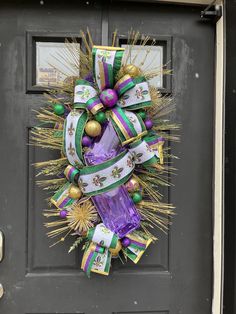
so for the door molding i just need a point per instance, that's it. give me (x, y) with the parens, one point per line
(218, 180)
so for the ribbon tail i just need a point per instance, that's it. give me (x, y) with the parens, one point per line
(106, 64)
(96, 259)
(137, 247)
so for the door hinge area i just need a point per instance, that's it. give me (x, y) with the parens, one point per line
(212, 13)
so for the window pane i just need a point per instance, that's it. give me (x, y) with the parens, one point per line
(153, 60)
(54, 63)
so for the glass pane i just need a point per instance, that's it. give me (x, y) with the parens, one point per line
(152, 59)
(54, 62)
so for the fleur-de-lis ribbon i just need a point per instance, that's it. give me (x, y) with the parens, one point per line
(73, 132)
(97, 257)
(156, 143)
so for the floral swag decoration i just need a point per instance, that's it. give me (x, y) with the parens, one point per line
(107, 123)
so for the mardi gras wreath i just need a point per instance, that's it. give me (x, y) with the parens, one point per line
(110, 128)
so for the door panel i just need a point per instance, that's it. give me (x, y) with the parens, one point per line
(175, 275)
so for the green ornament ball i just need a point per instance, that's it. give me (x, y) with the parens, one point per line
(142, 114)
(59, 109)
(137, 197)
(100, 117)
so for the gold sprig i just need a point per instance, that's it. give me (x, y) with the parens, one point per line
(80, 217)
(51, 167)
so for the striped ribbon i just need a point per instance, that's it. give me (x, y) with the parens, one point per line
(71, 173)
(106, 64)
(124, 84)
(137, 246)
(128, 126)
(105, 75)
(61, 198)
(96, 259)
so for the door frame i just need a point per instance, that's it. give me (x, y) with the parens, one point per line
(219, 144)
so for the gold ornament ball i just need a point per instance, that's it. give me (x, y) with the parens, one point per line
(75, 192)
(93, 128)
(116, 250)
(132, 185)
(132, 70)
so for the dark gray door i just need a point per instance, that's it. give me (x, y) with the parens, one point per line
(175, 276)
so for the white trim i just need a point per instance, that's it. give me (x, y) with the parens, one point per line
(218, 233)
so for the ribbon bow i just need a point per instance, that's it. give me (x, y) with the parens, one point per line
(132, 94)
(97, 257)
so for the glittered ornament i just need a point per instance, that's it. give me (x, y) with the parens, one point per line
(132, 185)
(116, 250)
(109, 97)
(125, 242)
(75, 192)
(137, 197)
(132, 70)
(86, 141)
(59, 109)
(148, 123)
(63, 213)
(100, 117)
(93, 128)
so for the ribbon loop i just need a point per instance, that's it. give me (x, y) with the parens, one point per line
(73, 131)
(142, 153)
(127, 125)
(103, 236)
(85, 97)
(137, 97)
(61, 198)
(106, 64)
(156, 143)
(124, 84)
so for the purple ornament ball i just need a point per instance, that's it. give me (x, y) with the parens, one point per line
(125, 242)
(109, 97)
(86, 141)
(148, 123)
(63, 213)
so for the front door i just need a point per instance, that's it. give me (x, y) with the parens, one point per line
(175, 275)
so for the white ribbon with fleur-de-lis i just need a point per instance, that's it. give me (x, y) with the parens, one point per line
(135, 96)
(141, 152)
(106, 176)
(73, 131)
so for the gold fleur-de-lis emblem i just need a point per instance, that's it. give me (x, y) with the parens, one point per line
(71, 150)
(71, 129)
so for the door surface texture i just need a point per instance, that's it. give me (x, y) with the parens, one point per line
(175, 274)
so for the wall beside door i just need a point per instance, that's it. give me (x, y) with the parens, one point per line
(230, 162)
